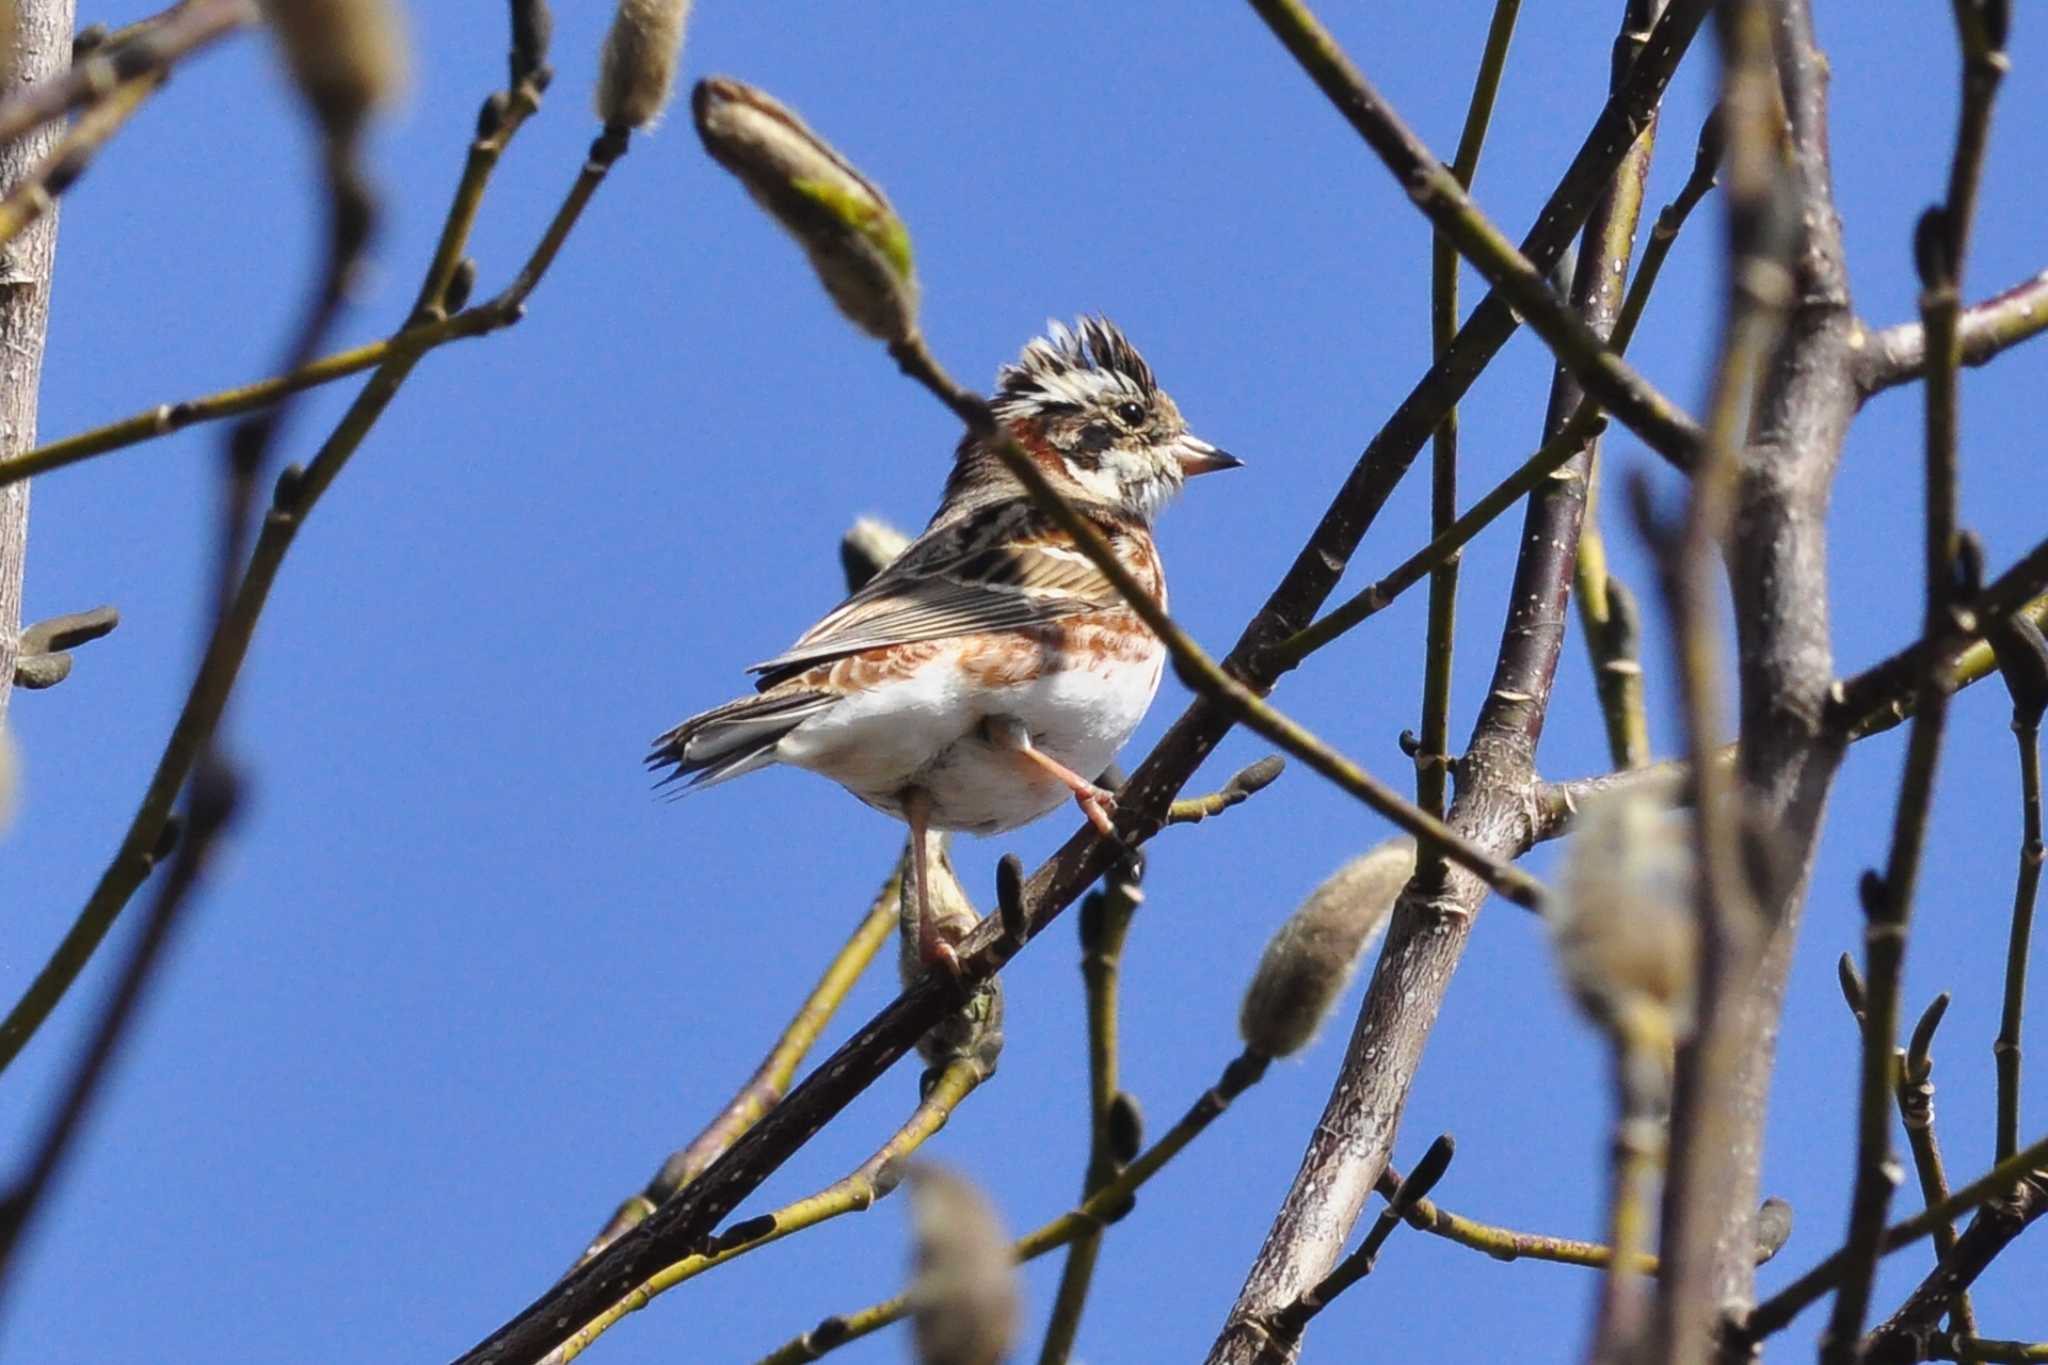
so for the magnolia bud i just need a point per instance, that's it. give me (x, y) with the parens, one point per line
(1624, 923)
(866, 550)
(346, 56)
(1308, 962)
(963, 1297)
(975, 1030)
(637, 70)
(856, 243)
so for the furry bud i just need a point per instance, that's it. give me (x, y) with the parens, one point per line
(637, 70)
(346, 56)
(866, 550)
(975, 1030)
(856, 243)
(1310, 960)
(1624, 925)
(963, 1297)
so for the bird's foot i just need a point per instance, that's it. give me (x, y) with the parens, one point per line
(1099, 805)
(936, 951)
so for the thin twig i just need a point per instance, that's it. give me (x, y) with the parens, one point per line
(1898, 355)
(1105, 922)
(1915, 1094)
(1758, 294)
(1196, 668)
(1244, 784)
(1068, 873)
(33, 197)
(1432, 759)
(1619, 388)
(855, 1192)
(1940, 248)
(1607, 610)
(296, 495)
(1568, 441)
(2023, 661)
(1899, 1340)
(1778, 1311)
(1105, 1206)
(1886, 693)
(765, 1088)
(245, 455)
(1290, 1321)
(1986, 1350)
(153, 45)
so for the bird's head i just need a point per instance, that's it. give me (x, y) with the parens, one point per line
(1086, 402)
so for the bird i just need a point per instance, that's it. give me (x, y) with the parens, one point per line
(972, 683)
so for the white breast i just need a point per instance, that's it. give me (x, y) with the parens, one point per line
(925, 730)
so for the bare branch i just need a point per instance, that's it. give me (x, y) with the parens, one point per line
(1898, 355)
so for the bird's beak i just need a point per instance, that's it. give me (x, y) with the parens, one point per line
(1199, 457)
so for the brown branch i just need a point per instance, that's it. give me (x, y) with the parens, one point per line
(2005, 1180)
(691, 1216)
(1437, 193)
(1351, 1143)
(1906, 1335)
(1939, 249)
(149, 46)
(2023, 660)
(1703, 1151)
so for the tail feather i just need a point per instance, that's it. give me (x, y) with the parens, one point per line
(732, 740)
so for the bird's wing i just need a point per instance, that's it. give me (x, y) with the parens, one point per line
(955, 582)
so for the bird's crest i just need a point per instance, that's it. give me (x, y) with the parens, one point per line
(1073, 369)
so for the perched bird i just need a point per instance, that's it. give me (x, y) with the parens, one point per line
(975, 680)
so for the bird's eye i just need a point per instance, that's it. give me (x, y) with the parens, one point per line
(1132, 414)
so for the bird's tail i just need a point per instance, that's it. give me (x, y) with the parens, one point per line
(734, 739)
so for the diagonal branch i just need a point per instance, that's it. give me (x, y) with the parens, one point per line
(1437, 193)
(683, 1222)
(1352, 1141)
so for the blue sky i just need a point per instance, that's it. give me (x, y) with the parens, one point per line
(460, 982)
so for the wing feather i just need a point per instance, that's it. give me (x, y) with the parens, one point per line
(954, 583)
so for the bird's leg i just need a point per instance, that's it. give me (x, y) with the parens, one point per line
(932, 948)
(1097, 803)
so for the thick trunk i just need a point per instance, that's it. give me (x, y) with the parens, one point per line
(42, 48)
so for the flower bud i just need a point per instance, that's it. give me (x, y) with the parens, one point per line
(866, 550)
(856, 243)
(1624, 923)
(346, 56)
(1308, 962)
(963, 1297)
(975, 1030)
(637, 70)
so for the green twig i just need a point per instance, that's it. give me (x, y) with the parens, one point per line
(1244, 784)
(1105, 921)
(871, 1180)
(1607, 610)
(771, 1079)
(1105, 1206)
